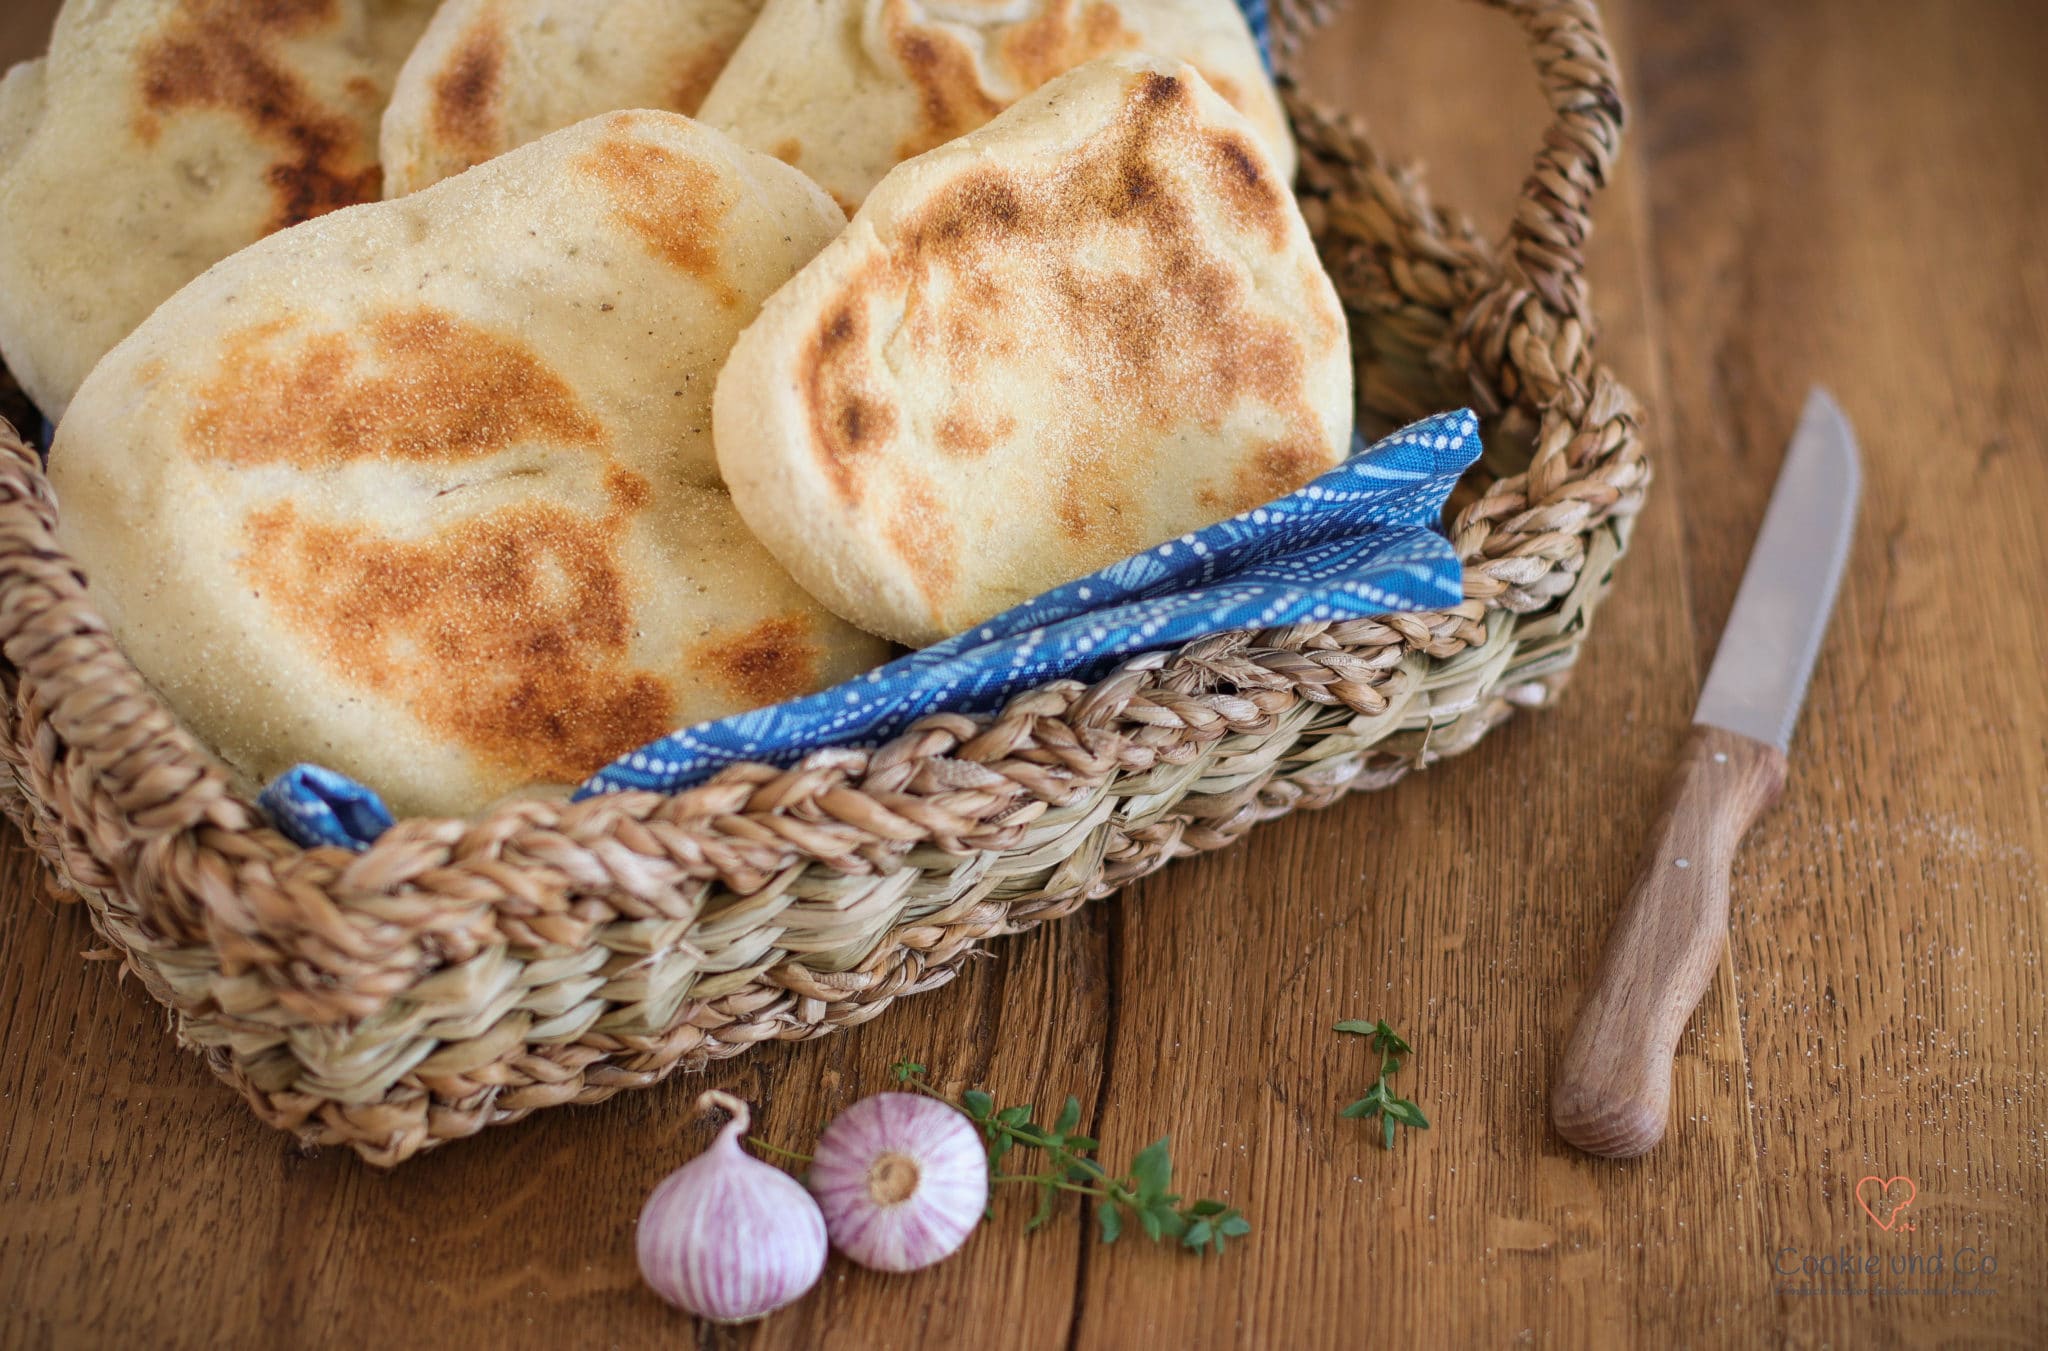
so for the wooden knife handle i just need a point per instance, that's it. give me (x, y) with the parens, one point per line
(1613, 1089)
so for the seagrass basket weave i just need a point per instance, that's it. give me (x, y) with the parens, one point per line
(462, 973)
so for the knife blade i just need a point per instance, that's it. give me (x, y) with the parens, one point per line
(1612, 1095)
(1758, 679)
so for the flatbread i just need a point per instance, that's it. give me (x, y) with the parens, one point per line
(490, 75)
(420, 490)
(159, 136)
(1095, 324)
(847, 89)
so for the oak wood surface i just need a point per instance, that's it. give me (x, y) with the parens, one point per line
(1848, 191)
(1611, 1093)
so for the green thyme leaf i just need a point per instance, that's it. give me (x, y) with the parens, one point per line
(1407, 1113)
(1152, 1170)
(1379, 1100)
(1048, 1197)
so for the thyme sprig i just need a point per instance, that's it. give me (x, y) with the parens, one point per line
(1379, 1100)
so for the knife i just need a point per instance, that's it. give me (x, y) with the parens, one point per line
(1612, 1095)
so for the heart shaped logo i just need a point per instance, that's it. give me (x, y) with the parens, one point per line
(1884, 1199)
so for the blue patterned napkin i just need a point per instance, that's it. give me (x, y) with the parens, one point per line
(1361, 540)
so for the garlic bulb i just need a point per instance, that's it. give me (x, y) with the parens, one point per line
(902, 1181)
(726, 1236)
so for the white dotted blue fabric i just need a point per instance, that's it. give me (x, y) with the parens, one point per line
(313, 806)
(1361, 540)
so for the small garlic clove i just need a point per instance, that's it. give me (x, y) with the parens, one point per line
(902, 1180)
(726, 1236)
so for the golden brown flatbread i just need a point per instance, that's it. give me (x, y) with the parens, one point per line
(159, 136)
(1093, 325)
(422, 490)
(847, 89)
(490, 75)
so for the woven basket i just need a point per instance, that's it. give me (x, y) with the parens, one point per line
(462, 973)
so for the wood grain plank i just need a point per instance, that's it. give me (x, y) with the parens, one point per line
(1842, 193)
(24, 29)
(1467, 903)
(1839, 191)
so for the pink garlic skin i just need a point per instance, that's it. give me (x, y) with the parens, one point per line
(902, 1181)
(728, 1237)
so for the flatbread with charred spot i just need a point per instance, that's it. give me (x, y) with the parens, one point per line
(490, 75)
(422, 490)
(1092, 326)
(159, 136)
(847, 89)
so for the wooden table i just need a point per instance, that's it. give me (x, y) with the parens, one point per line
(1853, 192)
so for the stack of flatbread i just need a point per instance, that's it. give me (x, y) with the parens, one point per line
(462, 398)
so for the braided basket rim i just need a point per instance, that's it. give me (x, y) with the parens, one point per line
(462, 973)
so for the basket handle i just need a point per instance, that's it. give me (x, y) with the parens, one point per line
(1579, 78)
(93, 703)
